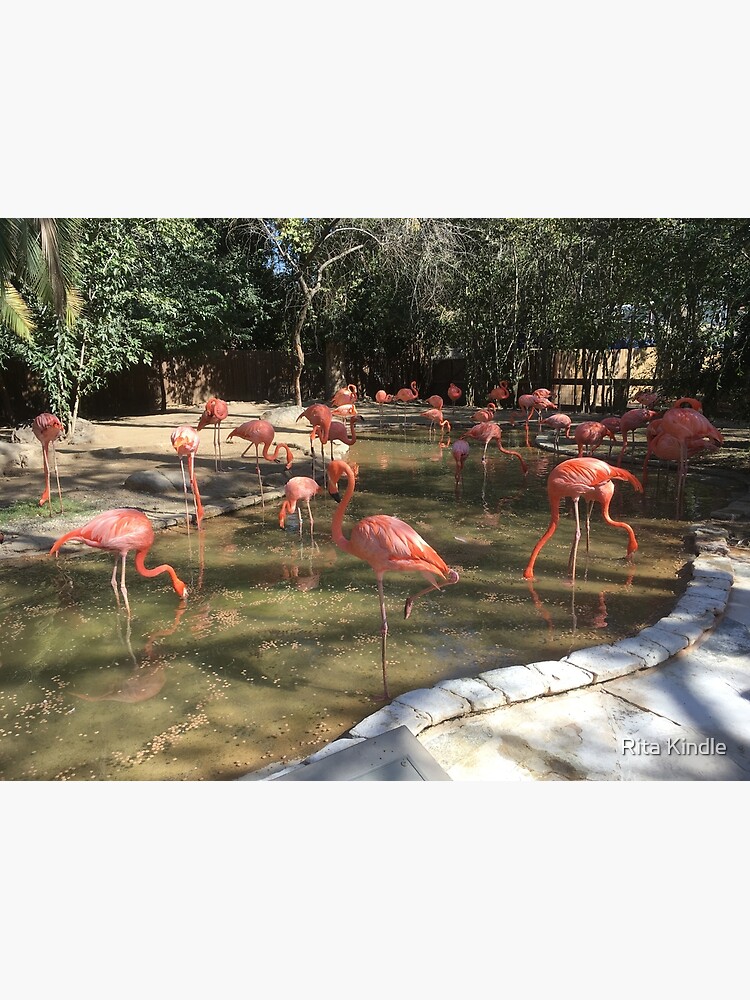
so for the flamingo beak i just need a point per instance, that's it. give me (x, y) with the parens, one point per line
(335, 496)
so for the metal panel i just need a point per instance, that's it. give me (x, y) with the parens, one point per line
(394, 756)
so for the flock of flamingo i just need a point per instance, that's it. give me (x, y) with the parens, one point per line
(387, 543)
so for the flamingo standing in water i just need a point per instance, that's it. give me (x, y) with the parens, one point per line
(320, 416)
(47, 428)
(406, 396)
(338, 431)
(485, 414)
(559, 422)
(488, 432)
(387, 544)
(120, 531)
(591, 479)
(629, 421)
(459, 450)
(185, 441)
(261, 432)
(614, 425)
(692, 430)
(435, 401)
(435, 416)
(381, 397)
(298, 488)
(454, 394)
(215, 411)
(590, 434)
(344, 396)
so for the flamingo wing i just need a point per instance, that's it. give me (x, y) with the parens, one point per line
(388, 543)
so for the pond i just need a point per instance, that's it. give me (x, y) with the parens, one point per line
(277, 650)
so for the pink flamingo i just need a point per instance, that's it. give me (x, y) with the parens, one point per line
(215, 411)
(500, 393)
(407, 395)
(47, 429)
(435, 416)
(591, 479)
(629, 421)
(459, 450)
(381, 397)
(387, 544)
(559, 422)
(690, 428)
(590, 434)
(488, 432)
(454, 394)
(347, 395)
(261, 432)
(185, 441)
(614, 425)
(670, 448)
(338, 431)
(320, 416)
(345, 410)
(688, 401)
(120, 531)
(436, 402)
(484, 414)
(647, 399)
(298, 488)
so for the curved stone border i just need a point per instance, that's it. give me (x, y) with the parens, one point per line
(695, 613)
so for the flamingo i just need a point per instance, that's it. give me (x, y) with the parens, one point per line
(338, 431)
(630, 421)
(185, 441)
(381, 397)
(590, 434)
(454, 394)
(298, 488)
(590, 478)
(345, 410)
(483, 415)
(120, 531)
(492, 432)
(47, 429)
(690, 428)
(347, 395)
(435, 401)
(459, 450)
(647, 399)
(387, 544)
(688, 401)
(261, 432)
(559, 422)
(320, 416)
(500, 392)
(614, 425)
(435, 416)
(669, 448)
(215, 411)
(407, 395)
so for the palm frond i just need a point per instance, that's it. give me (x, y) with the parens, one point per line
(14, 313)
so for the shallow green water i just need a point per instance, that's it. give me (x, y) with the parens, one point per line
(277, 651)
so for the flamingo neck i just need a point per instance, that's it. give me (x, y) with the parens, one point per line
(177, 583)
(337, 521)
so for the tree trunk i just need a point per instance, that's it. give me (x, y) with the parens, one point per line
(298, 361)
(334, 369)
(74, 418)
(159, 364)
(7, 405)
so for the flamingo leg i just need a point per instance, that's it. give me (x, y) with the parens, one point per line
(434, 585)
(123, 588)
(484, 453)
(576, 540)
(57, 477)
(248, 449)
(589, 508)
(384, 636)
(309, 511)
(45, 495)
(113, 581)
(184, 489)
(260, 481)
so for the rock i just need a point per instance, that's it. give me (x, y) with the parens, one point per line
(285, 416)
(17, 458)
(149, 481)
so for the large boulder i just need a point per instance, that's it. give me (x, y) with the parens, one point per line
(149, 481)
(284, 416)
(17, 458)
